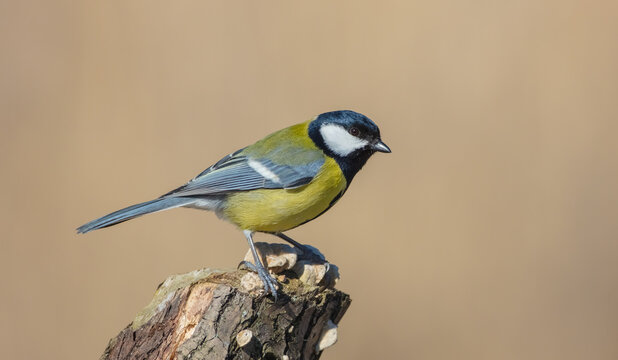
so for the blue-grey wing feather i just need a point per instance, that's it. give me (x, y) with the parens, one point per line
(236, 173)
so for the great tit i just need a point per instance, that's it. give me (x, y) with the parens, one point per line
(286, 179)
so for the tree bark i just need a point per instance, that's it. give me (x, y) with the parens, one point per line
(208, 314)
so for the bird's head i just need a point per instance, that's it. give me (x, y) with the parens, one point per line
(348, 137)
(346, 134)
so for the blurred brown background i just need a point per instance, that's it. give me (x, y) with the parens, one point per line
(490, 232)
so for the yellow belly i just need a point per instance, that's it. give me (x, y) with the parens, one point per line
(273, 210)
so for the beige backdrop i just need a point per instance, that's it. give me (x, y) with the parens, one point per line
(490, 232)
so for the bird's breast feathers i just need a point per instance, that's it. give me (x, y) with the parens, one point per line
(274, 210)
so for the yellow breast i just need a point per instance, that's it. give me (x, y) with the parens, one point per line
(274, 210)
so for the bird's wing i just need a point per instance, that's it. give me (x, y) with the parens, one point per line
(240, 171)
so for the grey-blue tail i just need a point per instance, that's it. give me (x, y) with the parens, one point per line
(134, 211)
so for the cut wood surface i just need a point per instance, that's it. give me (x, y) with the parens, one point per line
(215, 314)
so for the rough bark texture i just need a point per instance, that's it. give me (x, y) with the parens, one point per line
(198, 316)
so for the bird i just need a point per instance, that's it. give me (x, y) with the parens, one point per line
(282, 181)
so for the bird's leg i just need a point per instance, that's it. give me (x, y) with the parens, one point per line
(307, 252)
(270, 284)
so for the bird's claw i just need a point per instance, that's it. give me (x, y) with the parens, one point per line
(246, 265)
(307, 253)
(270, 284)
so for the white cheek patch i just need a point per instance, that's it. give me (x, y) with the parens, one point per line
(340, 141)
(264, 171)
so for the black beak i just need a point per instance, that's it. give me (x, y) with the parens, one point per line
(381, 147)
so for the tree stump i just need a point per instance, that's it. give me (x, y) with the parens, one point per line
(214, 314)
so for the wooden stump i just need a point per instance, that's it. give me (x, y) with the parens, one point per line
(207, 314)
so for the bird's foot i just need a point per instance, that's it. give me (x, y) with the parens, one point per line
(270, 284)
(308, 252)
(312, 255)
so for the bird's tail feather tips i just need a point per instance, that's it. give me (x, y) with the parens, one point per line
(132, 212)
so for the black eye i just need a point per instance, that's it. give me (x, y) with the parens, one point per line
(354, 131)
